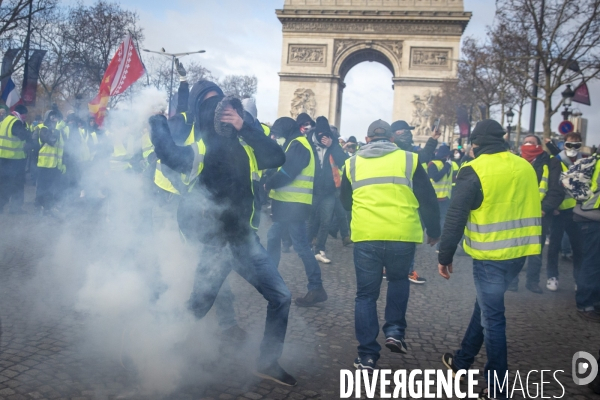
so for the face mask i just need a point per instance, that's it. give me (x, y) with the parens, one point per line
(571, 152)
(457, 156)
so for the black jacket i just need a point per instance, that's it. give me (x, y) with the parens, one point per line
(297, 157)
(219, 208)
(324, 183)
(424, 192)
(556, 192)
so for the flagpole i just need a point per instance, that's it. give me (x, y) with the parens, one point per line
(26, 67)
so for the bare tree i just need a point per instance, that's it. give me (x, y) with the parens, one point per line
(241, 86)
(565, 38)
(14, 15)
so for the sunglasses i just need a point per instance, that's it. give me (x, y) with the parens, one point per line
(573, 145)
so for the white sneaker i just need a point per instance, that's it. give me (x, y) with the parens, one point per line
(552, 284)
(321, 257)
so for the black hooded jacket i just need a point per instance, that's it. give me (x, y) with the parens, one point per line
(219, 207)
(556, 192)
(297, 157)
(324, 182)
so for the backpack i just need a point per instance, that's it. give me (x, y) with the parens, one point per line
(577, 179)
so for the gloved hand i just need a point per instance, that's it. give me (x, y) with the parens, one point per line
(62, 168)
(180, 70)
(159, 129)
(449, 161)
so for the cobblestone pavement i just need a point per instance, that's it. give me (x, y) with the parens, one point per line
(42, 358)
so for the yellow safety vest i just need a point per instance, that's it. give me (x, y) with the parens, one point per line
(11, 147)
(198, 165)
(300, 190)
(543, 186)
(569, 202)
(455, 169)
(508, 223)
(384, 206)
(119, 159)
(167, 179)
(147, 146)
(86, 154)
(593, 203)
(443, 187)
(51, 156)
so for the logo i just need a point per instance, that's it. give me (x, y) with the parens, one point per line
(584, 363)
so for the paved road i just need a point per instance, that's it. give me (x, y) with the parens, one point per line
(49, 350)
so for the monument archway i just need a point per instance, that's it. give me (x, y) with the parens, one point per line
(417, 40)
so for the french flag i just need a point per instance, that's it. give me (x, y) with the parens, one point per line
(10, 94)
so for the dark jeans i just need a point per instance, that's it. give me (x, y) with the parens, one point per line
(588, 276)
(369, 260)
(251, 262)
(12, 183)
(224, 307)
(488, 324)
(47, 187)
(561, 223)
(339, 220)
(298, 235)
(444, 205)
(323, 206)
(534, 266)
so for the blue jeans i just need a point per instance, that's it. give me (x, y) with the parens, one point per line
(369, 260)
(588, 276)
(339, 220)
(323, 206)
(251, 262)
(488, 324)
(224, 307)
(534, 266)
(297, 232)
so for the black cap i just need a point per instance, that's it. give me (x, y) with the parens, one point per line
(284, 127)
(352, 139)
(486, 131)
(401, 125)
(21, 109)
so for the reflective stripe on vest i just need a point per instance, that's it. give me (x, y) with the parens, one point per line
(593, 203)
(507, 225)
(11, 147)
(443, 187)
(300, 190)
(569, 202)
(543, 186)
(384, 206)
(51, 156)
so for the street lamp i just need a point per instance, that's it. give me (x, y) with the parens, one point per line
(509, 118)
(173, 57)
(567, 96)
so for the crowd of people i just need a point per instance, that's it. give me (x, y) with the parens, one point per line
(383, 197)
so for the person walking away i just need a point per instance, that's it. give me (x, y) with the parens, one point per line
(13, 136)
(562, 220)
(384, 187)
(403, 139)
(548, 171)
(290, 190)
(50, 166)
(497, 206)
(329, 158)
(440, 173)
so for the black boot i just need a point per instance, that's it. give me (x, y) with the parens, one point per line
(312, 298)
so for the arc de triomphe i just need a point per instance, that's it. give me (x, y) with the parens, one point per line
(323, 39)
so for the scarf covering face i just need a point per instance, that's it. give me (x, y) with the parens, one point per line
(530, 152)
(222, 128)
(489, 136)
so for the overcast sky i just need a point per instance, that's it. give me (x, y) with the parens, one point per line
(244, 37)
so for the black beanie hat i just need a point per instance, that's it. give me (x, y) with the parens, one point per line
(487, 131)
(303, 118)
(285, 127)
(21, 109)
(322, 127)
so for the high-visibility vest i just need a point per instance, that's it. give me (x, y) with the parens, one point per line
(508, 223)
(167, 179)
(86, 154)
(198, 165)
(51, 156)
(300, 190)
(147, 146)
(593, 203)
(384, 206)
(443, 187)
(543, 185)
(119, 159)
(11, 147)
(569, 202)
(455, 169)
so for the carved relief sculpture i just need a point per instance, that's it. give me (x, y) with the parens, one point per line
(424, 58)
(394, 46)
(304, 102)
(306, 54)
(422, 114)
(369, 27)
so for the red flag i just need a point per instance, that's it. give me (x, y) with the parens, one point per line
(124, 69)
(582, 94)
